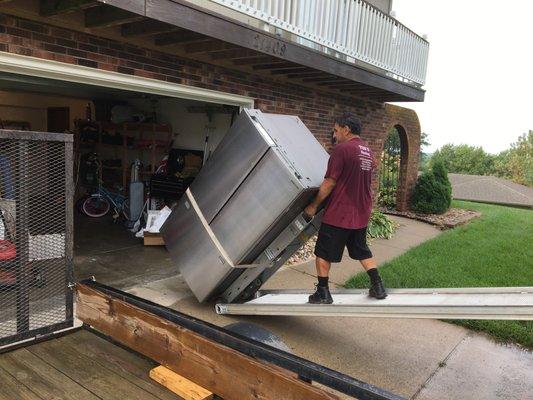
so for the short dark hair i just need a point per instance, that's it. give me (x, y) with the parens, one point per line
(350, 120)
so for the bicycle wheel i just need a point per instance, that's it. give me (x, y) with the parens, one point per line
(126, 208)
(79, 203)
(96, 206)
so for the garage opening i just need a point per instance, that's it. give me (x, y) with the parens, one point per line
(135, 153)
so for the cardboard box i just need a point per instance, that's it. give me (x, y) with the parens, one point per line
(193, 161)
(153, 239)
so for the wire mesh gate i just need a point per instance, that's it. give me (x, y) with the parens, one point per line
(36, 234)
(389, 170)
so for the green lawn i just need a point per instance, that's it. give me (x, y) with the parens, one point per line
(493, 250)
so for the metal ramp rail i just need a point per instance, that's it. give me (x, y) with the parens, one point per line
(508, 303)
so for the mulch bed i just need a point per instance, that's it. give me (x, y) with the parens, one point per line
(304, 254)
(450, 219)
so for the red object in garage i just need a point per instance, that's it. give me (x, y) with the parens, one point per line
(8, 252)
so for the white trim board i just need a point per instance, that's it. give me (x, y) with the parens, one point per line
(24, 65)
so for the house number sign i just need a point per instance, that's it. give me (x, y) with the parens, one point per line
(268, 45)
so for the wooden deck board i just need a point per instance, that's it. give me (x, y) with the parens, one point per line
(10, 388)
(44, 380)
(127, 364)
(78, 366)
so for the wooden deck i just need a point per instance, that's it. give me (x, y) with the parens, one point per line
(78, 366)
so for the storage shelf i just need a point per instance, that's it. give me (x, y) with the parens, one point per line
(136, 126)
(160, 148)
(145, 132)
(111, 145)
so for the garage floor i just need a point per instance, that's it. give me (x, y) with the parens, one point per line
(114, 256)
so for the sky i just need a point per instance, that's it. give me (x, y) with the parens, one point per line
(479, 83)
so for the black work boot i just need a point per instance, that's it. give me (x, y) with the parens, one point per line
(321, 296)
(377, 290)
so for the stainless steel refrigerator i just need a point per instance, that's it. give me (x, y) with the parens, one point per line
(241, 218)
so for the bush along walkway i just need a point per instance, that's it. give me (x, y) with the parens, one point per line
(491, 251)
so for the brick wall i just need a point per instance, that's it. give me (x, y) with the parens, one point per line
(317, 109)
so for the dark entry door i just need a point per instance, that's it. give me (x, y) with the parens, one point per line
(58, 119)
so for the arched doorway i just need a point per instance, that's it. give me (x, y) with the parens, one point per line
(393, 168)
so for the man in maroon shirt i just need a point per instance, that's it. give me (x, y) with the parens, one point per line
(348, 180)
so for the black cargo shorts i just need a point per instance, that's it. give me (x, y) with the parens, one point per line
(332, 240)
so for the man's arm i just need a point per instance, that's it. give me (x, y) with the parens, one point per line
(324, 191)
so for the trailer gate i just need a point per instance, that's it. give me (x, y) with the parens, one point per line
(36, 241)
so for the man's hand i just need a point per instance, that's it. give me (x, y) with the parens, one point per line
(323, 192)
(311, 210)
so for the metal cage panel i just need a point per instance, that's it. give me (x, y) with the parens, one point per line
(36, 242)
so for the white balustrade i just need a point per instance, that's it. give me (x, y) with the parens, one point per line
(350, 27)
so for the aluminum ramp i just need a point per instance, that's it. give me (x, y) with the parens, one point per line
(510, 303)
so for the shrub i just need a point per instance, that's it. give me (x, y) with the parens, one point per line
(380, 226)
(433, 192)
(439, 170)
(387, 196)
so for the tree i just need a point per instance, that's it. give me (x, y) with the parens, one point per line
(520, 160)
(424, 140)
(515, 163)
(423, 163)
(423, 160)
(501, 165)
(463, 159)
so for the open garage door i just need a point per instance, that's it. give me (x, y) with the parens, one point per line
(46, 242)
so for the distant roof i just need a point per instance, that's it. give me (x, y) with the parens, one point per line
(490, 189)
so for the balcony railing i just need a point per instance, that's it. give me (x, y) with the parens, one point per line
(352, 28)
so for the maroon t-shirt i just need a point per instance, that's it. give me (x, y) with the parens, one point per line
(350, 203)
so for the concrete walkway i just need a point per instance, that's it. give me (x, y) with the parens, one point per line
(418, 359)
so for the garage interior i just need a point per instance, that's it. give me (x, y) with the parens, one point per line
(168, 139)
